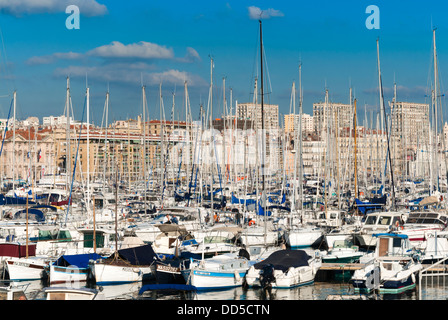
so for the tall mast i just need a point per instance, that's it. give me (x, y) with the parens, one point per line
(187, 136)
(294, 188)
(88, 149)
(263, 144)
(356, 153)
(211, 132)
(14, 142)
(387, 131)
(436, 165)
(300, 139)
(382, 111)
(106, 146)
(68, 156)
(144, 144)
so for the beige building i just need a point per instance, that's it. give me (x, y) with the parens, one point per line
(252, 111)
(28, 154)
(290, 123)
(326, 114)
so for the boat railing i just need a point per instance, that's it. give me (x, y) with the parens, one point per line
(432, 281)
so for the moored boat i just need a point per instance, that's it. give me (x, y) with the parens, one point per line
(392, 270)
(284, 269)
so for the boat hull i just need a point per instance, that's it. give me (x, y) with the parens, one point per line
(305, 239)
(105, 274)
(214, 280)
(294, 277)
(166, 274)
(22, 269)
(391, 286)
(60, 275)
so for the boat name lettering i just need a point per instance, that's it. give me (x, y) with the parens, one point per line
(22, 264)
(167, 268)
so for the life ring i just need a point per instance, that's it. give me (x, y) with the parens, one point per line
(397, 224)
(251, 222)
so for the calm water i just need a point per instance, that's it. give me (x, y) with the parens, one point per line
(316, 291)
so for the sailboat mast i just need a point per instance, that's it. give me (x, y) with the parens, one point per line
(300, 139)
(144, 144)
(386, 127)
(211, 133)
(356, 152)
(88, 149)
(436, 166)
(14, 141)
(263, 144)
(68, 157)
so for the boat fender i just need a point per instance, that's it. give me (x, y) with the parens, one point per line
(237, 276)
(413, 278)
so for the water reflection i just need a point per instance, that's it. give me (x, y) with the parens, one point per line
(316, 291)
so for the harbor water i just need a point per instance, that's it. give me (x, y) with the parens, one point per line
(315, 291)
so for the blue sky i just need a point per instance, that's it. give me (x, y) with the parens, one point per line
(121, 43)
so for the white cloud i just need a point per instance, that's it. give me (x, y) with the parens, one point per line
(257, 13)
(191, 56)
(142, 49)
(21, 7)
(130, 73)
(402, 91)
(53, 57)
(117, 50)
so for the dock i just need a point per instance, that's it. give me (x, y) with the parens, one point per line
(341, 266)
(356, 266)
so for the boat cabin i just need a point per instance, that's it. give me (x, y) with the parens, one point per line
(382, 221)
(392, 245)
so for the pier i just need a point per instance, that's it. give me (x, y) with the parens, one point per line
(343, 271)
(356, 266)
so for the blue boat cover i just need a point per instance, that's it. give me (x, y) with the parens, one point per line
(79, 260)
(139, 256)
(168, 286)
(43, 206)
(33, 214)
(394, 235)
(374, 203)
(261, 212)
(14, 200)
(284, 259)
(242, 201)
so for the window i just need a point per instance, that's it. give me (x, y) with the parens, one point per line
(371, 220)
(384, 221)
(88, 240)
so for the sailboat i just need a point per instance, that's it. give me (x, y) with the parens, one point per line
(220, 272)
(29, 267)
(302, 235)
(125, 265)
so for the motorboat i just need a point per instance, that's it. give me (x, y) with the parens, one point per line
(284, 269)
(343, 251)
(392, 270)
(374, 223)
